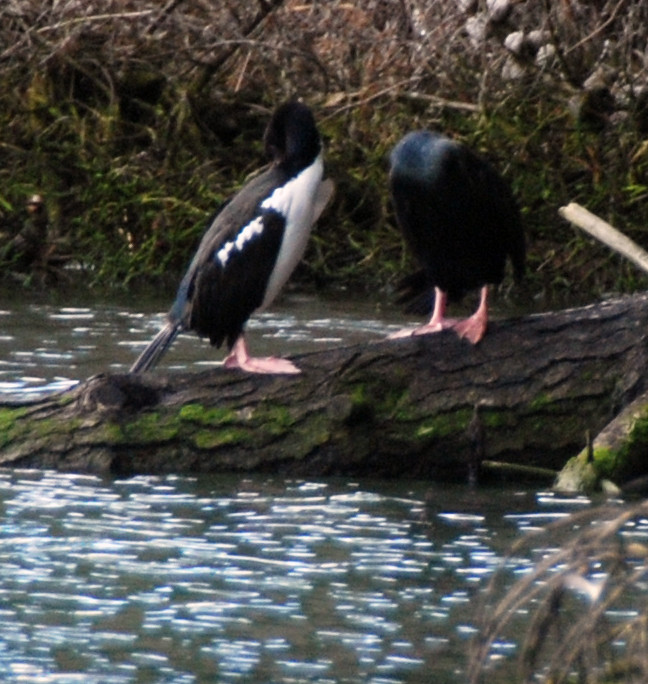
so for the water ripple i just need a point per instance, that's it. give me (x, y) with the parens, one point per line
(251, 579)
(46, 348)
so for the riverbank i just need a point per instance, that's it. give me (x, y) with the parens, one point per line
(136, 122)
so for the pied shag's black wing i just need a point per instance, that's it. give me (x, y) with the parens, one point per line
(231, 283)
(235, 214)
(495, 221)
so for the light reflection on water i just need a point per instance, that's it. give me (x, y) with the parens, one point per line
(242, 579)
(45, 347)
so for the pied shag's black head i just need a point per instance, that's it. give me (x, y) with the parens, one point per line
(292, 138)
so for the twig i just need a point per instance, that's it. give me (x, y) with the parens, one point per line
(95, 17)
(606, 233)
(266, 9)
(253, 44)
(443, 102)
(516, 469)
(599, 28)
(360, 98)
(166, 12)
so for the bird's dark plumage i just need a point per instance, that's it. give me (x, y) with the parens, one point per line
(254, 243)
(457, 214)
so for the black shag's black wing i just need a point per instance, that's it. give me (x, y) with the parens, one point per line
(460, 221)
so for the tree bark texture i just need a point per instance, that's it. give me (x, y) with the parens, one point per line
(422, 407)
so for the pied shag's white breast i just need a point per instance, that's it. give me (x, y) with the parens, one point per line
(295, 201)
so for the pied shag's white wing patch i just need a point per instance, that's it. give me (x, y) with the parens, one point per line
(252, 229)
(223, 253)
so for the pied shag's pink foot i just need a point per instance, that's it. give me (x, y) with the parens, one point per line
(474, 327)
(239, 358)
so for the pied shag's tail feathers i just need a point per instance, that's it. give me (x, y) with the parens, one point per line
(156, 348)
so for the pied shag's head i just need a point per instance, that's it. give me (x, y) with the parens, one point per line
(292, 138)
(420, 155)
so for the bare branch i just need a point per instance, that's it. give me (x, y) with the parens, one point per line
(606, 233)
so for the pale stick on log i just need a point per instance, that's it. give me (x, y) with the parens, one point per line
(607, 234)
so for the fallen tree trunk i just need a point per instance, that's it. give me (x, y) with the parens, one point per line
(428, 406)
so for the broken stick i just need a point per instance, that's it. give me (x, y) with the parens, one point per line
(607, 234)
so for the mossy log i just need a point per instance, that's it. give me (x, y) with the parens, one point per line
(618, 455)
(421, 407)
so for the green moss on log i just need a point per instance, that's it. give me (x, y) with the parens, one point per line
(578, 475)
(196, 413)
(274, 419)
(631, 459)
(619, 454)
(224, 436)
(605, 461)
(444, 424)
(150, 428)
(9, 427)
(16, 427)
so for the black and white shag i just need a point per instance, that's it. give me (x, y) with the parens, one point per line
(252, 246)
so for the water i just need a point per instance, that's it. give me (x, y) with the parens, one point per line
(46, 346)
(234, 579)
(241, 579)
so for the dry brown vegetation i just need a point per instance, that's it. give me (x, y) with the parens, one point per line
(582, 610)
(136, 118)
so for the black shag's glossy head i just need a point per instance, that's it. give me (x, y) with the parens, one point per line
(420, 155)
(292, 138)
